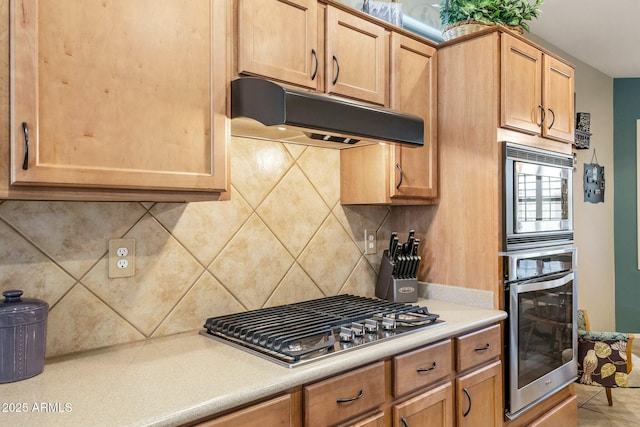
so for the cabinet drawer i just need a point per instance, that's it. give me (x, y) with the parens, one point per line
(275, 412)
(344, 396)
(477, 347)
(565, 413)
(421, 367)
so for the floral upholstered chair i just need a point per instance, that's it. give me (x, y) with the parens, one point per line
(605, 358)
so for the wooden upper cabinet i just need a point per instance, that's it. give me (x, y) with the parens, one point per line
(119, 95)
(521, 85)
(558, 93)
(537, 91)
(413, 91)
(396, 174)
(278, 39)
(356, 57)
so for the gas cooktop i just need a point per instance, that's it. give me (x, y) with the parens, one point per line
(294, 334)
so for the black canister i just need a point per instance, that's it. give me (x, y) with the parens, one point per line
(23, 336)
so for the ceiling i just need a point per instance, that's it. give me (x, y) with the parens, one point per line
(601, 33)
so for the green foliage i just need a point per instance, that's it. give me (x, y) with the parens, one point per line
(514, 13)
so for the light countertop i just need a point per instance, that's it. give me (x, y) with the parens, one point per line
(181, 378)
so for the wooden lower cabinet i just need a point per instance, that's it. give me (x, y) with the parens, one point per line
(344, 396)
(376, 420)
(278, 412)
(479, 397)
(479, 384)
(414, 389)
(563, 414)
(560, 409)
(431, 408)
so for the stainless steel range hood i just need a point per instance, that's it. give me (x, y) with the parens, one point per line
(263, 109)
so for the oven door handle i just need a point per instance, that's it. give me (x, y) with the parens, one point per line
(542, 283)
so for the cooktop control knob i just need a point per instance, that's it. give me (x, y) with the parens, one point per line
(346, 334)
(388, 323)
(357, 329)
(370, 326)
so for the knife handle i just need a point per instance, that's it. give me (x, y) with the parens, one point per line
(394, 235)
(414, 249)
(394, 249)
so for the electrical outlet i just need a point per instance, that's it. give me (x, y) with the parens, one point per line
(370, 245)
(122, 261)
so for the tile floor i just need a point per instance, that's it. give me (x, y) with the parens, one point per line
(593, 410)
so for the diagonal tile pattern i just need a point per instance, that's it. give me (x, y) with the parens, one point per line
(207, 298)
(24, 267)
(318, 164)
(164, 272)
(80, 321)
(283, 237)
(72, 234)
(257, 166)
(293, 211)
(296, 286)
(330, 257)
(252, 264)
(186, 222)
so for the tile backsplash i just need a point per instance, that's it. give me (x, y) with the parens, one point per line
(283, 237)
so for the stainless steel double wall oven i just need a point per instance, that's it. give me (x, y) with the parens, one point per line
(540, 281)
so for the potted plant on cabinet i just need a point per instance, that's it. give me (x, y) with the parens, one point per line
(460, 17)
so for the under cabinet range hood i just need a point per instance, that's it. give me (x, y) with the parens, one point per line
(263, 109)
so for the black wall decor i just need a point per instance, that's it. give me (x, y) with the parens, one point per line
(593, 183)
(583, 131)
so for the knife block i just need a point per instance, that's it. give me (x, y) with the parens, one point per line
(392, 288)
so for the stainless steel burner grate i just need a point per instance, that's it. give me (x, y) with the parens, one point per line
(306, 330)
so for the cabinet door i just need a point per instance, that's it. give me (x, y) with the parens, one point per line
(356, 57)
(122, 94)
(558, 86)
(277, 39)
(479, 397)
(521, 86)
(433, 408)
(413, 91)
(376, 420)
(275, 412)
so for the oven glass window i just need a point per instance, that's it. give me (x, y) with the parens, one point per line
(541, 198)
(545, 331)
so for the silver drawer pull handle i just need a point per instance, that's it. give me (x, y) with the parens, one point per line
(351, 399)
(435, 365)
(404, 422)
(483, 348)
